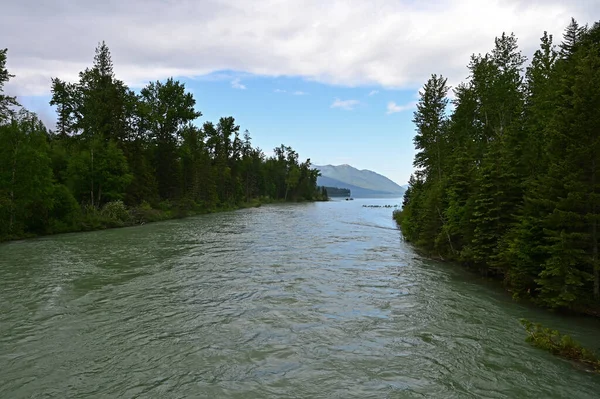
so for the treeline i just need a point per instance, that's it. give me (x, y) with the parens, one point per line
(118, 157)
(337, 192)
(509, 181)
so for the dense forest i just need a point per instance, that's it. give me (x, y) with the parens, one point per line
(337, 192)
(507, 174)
(117, 157)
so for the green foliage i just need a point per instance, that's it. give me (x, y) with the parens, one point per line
(336, 191)
(559, 344)
(122, 158)
(116, 210)
(66, 212)
(507, 184)
(6, 102)
(26, 185)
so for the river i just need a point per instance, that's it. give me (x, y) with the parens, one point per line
(316, 300)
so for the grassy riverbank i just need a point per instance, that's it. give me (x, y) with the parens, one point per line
(116, 214)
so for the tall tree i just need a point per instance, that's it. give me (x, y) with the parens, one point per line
(117, 154)
(6, 102)
(169, 109)
(64, 97)
(431, 123)
(25, 176)
(521, 196)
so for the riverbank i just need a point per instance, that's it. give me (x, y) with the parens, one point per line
(116, 215)
(591, 311)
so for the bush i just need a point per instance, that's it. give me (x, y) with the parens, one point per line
(558, 344)
(116, 211)
(397, 215)
(144, 213)
(65, 210)
(165, 206)
(185, 206)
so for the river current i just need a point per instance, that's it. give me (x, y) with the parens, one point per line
(316, 300)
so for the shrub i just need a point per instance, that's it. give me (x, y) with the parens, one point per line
(559, 344)
(65, 210)
(165, 206)
(144, 213)
(116, 211)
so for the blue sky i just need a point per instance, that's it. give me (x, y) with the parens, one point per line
(291, 111)
(246, 59)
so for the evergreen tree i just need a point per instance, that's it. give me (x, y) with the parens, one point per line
(6, 102)
(517, 180)
(119, 157)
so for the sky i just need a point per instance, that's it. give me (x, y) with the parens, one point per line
(336, 80)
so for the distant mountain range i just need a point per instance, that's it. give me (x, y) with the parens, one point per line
(362, 183)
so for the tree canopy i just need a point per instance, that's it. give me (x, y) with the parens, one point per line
(507, 178)
(145, 152)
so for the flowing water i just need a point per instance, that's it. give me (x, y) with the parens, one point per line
(320, 300)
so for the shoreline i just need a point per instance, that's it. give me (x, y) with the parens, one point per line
(140, 215)
(497, 278)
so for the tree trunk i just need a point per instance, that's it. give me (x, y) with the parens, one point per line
(447, 234)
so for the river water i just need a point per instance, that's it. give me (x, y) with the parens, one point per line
(319, 300)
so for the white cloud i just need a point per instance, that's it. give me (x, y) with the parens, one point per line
(293, 93)
(235, 83)
(373, 92)
(392, 107)
(395, 44)
(348, 105)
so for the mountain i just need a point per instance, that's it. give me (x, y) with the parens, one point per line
(362, 183)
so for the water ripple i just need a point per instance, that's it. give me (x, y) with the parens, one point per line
(301, 301)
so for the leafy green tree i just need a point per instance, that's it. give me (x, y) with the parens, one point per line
(99, 175)
(25, 176)
(119, 157)
(100, 99)
(64, 97)
(169, 108)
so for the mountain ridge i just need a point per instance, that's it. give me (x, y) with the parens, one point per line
(361, 182)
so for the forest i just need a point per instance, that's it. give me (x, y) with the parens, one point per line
(337, 192)
(507, 171)
(117, 157)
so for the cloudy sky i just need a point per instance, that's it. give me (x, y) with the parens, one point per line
(336, 80)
